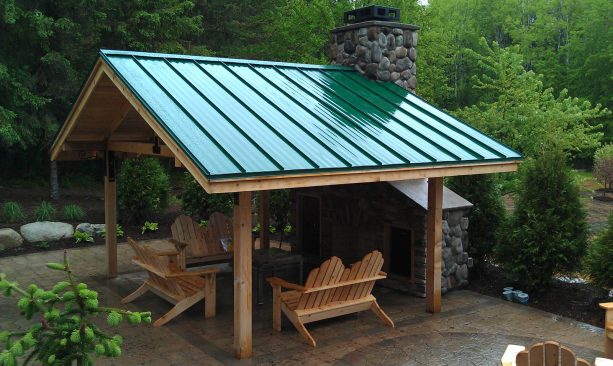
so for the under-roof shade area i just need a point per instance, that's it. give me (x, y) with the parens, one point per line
(240, 118)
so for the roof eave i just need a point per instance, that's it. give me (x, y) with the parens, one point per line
(356, 176)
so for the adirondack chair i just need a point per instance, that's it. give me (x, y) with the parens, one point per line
(177, 286)
(202, 245)
(543, 354)
(330, 290)
(608, 328)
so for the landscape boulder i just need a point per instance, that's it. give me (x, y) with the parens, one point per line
(46, 231)
(9, 238)
(92, 229)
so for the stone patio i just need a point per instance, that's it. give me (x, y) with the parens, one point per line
(472, 329)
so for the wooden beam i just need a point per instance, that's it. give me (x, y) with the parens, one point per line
(122, 113)
(264, 217)
(243, 248)
(140, 148)
(434, 237)
(69, 125)
(110, 215)
(83, 146)
(352, 177)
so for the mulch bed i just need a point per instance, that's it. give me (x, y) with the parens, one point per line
(576, 301)
(91, 201)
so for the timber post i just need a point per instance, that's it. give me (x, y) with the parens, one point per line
(243, 250)
(110, 214)
(434, 236)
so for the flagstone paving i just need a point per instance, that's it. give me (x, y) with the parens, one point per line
(472, 329)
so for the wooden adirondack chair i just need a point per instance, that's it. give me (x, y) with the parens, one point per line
(608, 329)
(330, 290)
(202, 245)
(177, 286)
(549, 354)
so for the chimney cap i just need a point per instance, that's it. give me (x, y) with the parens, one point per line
(372, 12)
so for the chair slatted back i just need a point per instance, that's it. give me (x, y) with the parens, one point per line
(219, 226)
(186, 230)
(148, 257)
(333, 272)
(549, 354)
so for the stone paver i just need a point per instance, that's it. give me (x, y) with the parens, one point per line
(473, 329)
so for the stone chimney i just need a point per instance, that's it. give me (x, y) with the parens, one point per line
(379, 49)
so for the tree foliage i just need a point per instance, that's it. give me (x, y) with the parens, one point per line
(547, 232)
(516, 108)
(65, 330)
(196, 202)
(603, 165)
(600, 256)
(487, 215)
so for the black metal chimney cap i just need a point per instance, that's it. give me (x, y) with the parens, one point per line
(372, 12)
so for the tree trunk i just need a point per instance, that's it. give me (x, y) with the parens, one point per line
(53, 182)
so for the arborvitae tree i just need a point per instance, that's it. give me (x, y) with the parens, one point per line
(600, 256)
(547, 233)
(486, 216)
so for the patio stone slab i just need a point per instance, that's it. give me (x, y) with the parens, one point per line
(472, 329)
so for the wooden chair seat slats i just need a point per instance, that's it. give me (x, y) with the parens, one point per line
(549, 354)
(329, 291)
(176, 286)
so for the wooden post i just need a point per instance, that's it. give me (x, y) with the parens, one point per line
(434, 236)
(110, 215)
(264, 217)
(243, 248)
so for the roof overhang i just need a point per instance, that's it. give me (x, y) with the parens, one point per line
(106, 91)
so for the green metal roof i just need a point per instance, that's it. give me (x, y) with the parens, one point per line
(242, 118)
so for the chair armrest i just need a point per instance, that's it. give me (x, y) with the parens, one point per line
(178, 244)
(508, 359)
(276, 281)
(606, 305)
(167, 253)
(200, 272)
(381, 273)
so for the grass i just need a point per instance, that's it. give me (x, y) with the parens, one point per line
(45, 212)
(73, 212)
(12, 212)
(587, 181)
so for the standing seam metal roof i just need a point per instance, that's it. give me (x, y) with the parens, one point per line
(242, 118)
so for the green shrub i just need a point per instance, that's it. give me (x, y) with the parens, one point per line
(149, 226)
(143, 189)
(73, 213)
(196, 202)
(12, 212)
(45, 212)
(280, 206)
(486, 216)
(603, 165)
(63, 328)
(600, 257)
(547, 232)
(118, 231)
(83, 236)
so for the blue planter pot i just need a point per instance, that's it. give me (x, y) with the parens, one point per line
(523, 298)
(507, 295)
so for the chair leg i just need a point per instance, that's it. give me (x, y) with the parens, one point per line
(180, 307)
(381, 314)
(210, 296)
(276, 308)
(136, 294)
(301, 328)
